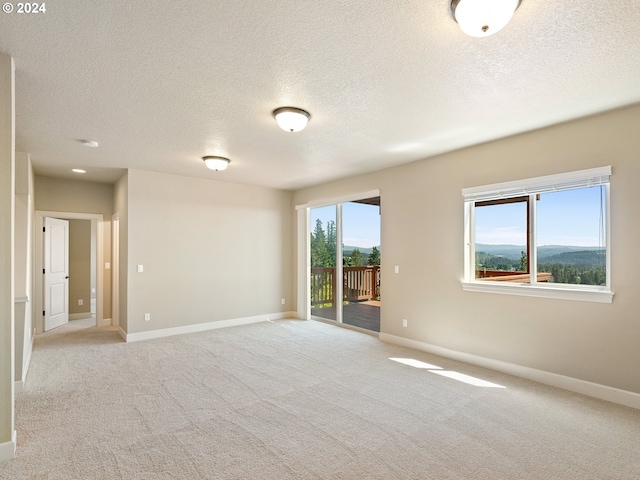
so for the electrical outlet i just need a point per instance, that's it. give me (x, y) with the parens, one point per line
(147, 317)
(282, 301)
(80, 301)
(404, 322)
(140, 268)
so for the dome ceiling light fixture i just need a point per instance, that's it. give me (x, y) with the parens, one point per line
(216, 163)
(291, 119)
(481, 18)
(90, 143)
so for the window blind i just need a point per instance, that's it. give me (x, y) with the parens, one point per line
(550, 183)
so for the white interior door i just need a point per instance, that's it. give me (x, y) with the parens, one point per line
(56, 273)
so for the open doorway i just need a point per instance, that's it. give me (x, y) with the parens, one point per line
(82, 270)
(344, 252)
(88, 300)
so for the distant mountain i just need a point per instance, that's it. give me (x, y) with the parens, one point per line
(511, 252)
(348, 250)
(583, 258)
(545, 252)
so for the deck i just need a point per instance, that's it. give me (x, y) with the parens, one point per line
(357, 314)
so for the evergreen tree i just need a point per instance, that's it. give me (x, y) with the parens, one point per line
(319, 253)
(331, 243)
(356, 258)
(523, 261)
(374, 257)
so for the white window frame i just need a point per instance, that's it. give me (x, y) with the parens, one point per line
(533, 187)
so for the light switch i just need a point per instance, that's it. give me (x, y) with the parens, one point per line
(107, 266)
(140, 268)
(396, 269)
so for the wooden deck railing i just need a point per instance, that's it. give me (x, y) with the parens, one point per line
(513, 277)
(358, 283)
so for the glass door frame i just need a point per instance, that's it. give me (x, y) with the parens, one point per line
(303, 224)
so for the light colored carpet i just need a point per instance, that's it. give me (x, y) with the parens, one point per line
(297, 400)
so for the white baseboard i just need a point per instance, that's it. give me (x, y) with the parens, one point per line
(8, 449)
(603, 392)
(18, 386)
(106, 322)
(79, 316)
(122, 333)
(201, 327)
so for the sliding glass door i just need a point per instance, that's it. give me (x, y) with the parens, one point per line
(361, 264)
(323, 275)
(344, 246)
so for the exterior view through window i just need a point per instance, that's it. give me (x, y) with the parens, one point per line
(570, 238)
(344, 246)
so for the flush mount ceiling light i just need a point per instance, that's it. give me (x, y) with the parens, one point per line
(481, 18)
(216, 163)
(78, 170)
(291, 119)
(89, 143)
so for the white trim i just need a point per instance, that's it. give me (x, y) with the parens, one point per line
(106, 322)
(201, 327)
(122, 333)
(18, 386)
(21, 299)
(469, 240)
(79, 316)
(115, 268)
(303, 264)
(548, 183)
(532, 241)
(97, 224)
(529, 290)
(607, 199)
(603, 392)
(8, 449)
(327, 202)
(339, 292)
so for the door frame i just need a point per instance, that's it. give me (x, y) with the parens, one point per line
(115, 269)
(304, 250)
(97, 230)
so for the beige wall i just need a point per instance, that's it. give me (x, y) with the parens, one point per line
(7, 175)
(79, 266)
(211, 251)
(62, 195)
(422, 231)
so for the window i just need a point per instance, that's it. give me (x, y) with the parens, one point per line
(545, 236)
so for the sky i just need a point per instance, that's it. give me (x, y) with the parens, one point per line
(360, 223)
(570, 217)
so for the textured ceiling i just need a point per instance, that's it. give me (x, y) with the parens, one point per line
(161, 84)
